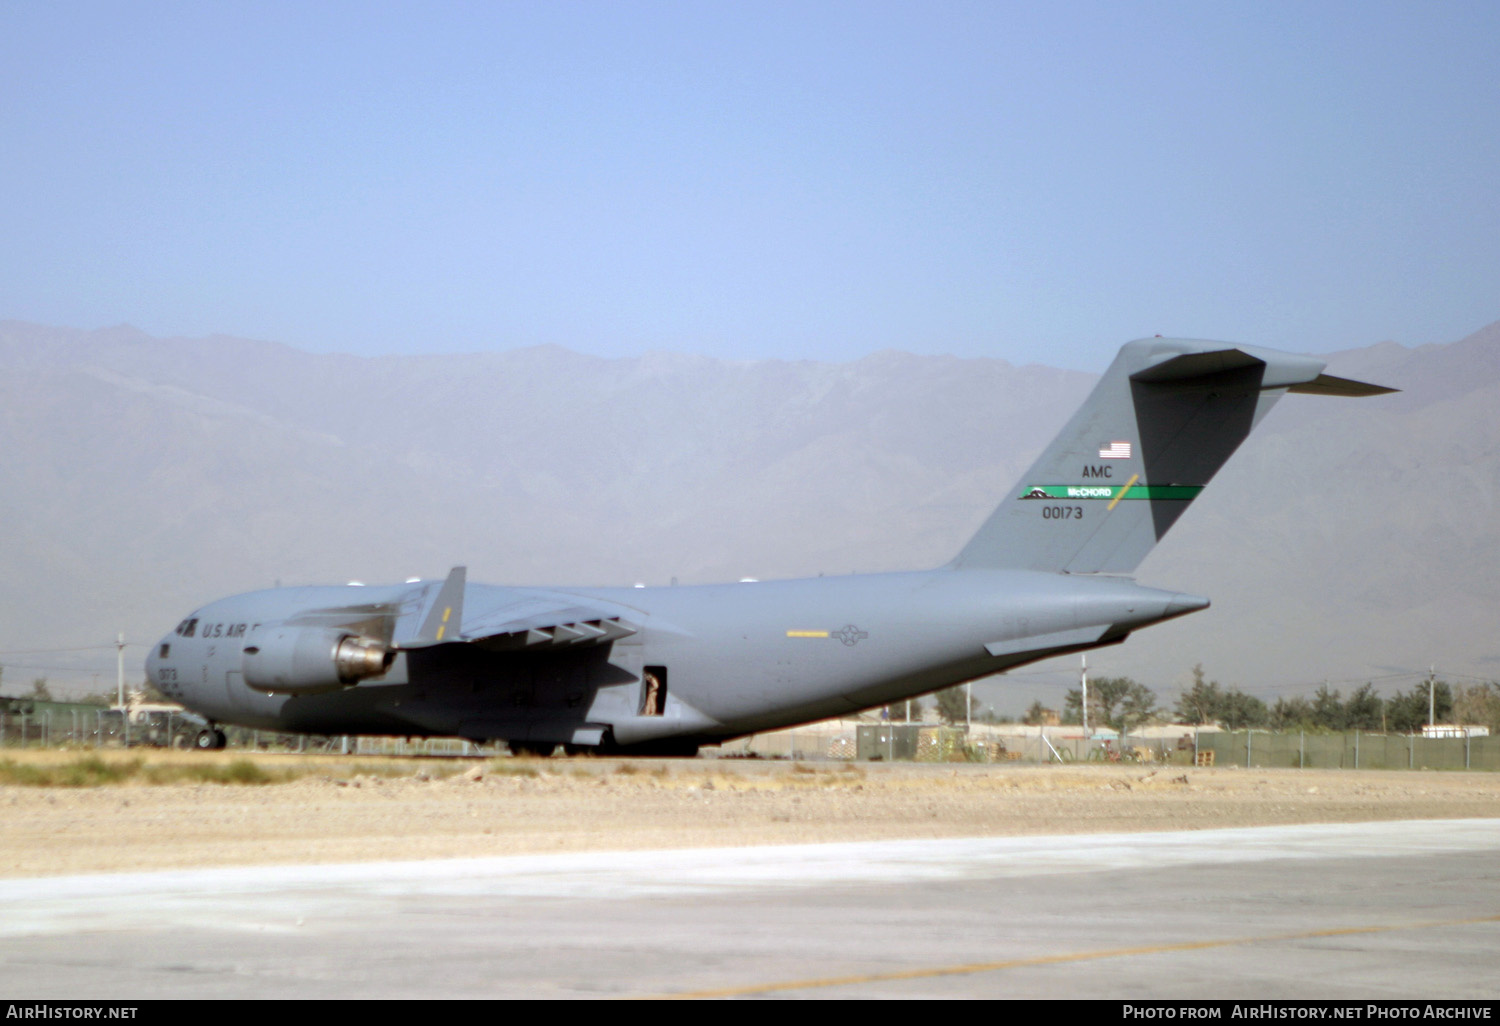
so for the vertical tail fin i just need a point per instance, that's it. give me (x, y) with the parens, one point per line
(1161, 422)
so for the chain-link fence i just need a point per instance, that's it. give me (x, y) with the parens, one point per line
(1355, 750)
(58, 724)
(31, 723)
(903, 742)
(915, 742)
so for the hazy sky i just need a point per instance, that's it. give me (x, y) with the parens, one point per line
(1037, 181)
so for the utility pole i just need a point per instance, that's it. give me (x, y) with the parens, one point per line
(120, 687)
(1431, 696)
(1083, 681)
(120, 669)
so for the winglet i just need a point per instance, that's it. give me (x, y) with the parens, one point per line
(445, 616)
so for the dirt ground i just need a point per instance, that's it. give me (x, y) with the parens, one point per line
(365, 809)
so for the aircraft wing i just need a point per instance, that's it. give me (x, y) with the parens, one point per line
(544, 622)
(528, 620)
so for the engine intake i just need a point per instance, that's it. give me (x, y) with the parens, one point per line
(312, 660)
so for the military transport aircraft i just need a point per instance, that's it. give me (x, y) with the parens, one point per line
(665, 670)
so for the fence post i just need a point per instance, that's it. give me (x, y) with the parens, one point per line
(1248, 733)
(1302, 749)
(1356, 748)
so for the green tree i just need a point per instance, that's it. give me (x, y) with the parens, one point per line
(1407, 711)
(1241, 711)
(1364, 710)
(1072, 710)
(1137, 707)
(40, 691)
(1478, 704)
(1328, 710)
(1200, 704)
(1038, 714)
(1291, 714)
(1117, 702)
(952, 705)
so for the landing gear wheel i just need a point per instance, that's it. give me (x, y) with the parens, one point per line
(539, 749)
(206, 740)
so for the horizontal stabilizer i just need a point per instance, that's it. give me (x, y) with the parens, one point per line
(1327, 384)
(1272, 369)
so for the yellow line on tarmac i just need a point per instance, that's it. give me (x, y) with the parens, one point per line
(1116, 500)
(1038, 960)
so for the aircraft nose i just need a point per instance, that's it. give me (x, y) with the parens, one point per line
(154, 660)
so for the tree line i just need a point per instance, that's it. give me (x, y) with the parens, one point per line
(1123, 704)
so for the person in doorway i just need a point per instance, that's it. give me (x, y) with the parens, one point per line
(651, 695)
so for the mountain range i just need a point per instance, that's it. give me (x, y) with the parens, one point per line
(1348, 540)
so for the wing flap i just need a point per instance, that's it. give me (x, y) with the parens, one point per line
(564, 630)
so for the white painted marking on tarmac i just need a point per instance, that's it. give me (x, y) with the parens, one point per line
(284, 897)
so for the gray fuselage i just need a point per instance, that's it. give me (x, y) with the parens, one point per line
(735, 659)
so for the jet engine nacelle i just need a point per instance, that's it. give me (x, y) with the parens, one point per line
(311, 660)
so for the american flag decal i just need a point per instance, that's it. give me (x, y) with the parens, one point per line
(1115, 451)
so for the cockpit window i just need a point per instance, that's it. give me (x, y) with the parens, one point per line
(166, 650)
(188, 627)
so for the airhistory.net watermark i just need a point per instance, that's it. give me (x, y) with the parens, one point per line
(1308, 1010)
(43, 1010)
